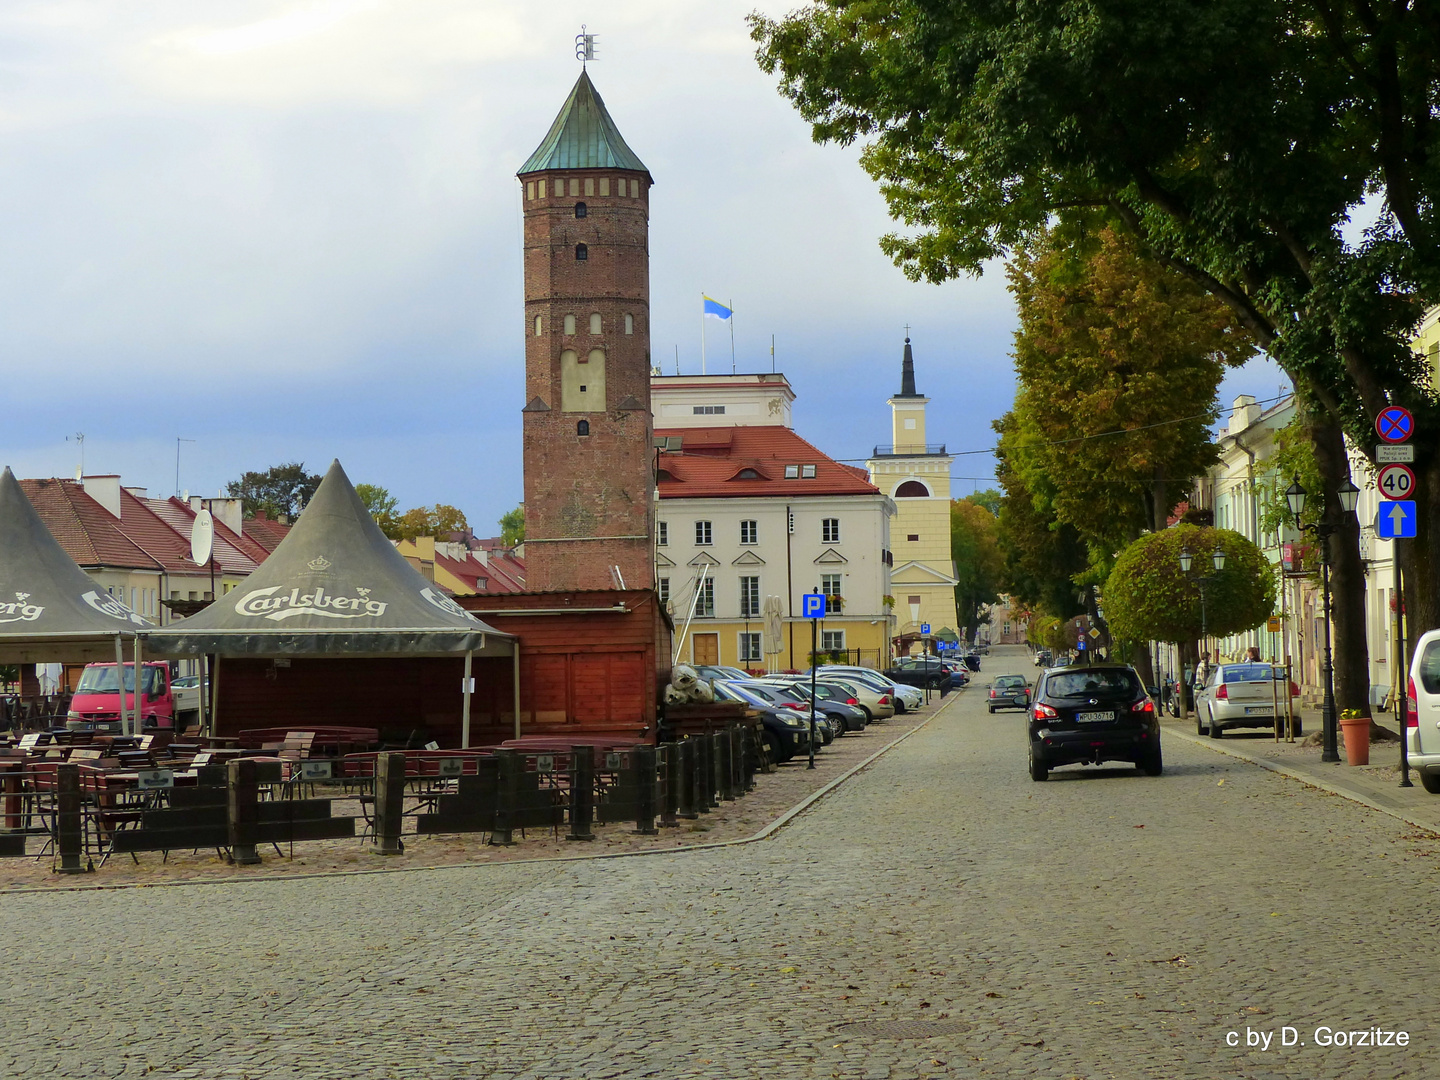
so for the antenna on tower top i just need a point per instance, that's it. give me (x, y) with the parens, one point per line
(584, 45)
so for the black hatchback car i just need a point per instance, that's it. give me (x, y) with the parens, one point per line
(1090, 714)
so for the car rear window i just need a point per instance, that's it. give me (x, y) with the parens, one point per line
(1430, 668)
(1249, 673)
(1010, 680)
(1075, 683)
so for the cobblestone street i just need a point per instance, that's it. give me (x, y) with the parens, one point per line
(1102, 924)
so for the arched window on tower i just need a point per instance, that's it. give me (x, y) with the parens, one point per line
(629, 323)
(912, 489)
(580, 209)
(581, 252)
(595, 322)
(538, 324)
(582, 428)
(569, 324)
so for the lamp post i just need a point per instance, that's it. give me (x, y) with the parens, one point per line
(1296, 496)
(1187, 559)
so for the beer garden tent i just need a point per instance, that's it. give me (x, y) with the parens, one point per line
(50, 609)
(336, 588)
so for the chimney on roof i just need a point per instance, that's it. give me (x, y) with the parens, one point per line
(907, 373)
(228, 511)
(105, 490)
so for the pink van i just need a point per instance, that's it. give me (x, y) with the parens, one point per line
(96, 706)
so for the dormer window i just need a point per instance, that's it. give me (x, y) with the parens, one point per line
(807, 472)
(747, 474)
(792, 472)
(580, 209)
(581, 253)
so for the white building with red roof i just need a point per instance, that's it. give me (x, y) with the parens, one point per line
(750, 513)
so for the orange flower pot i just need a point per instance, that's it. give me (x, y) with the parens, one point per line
(1357, 740)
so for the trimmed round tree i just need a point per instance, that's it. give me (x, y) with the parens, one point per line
(1149, 598)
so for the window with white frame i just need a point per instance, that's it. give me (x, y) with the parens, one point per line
(830, 587)
(664, 590)
(832, 640)
(705, 607)
(662, 533)
(807, 472)
(792, 472)
(749, 532)
(829, 530)
(703, 534)
(749, 597)
(749, 647)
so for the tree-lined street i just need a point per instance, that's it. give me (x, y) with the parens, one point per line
(1100, 924)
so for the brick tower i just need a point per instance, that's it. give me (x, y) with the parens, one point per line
(589, 475)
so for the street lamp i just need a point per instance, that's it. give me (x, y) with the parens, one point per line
(1187, 560)
(1348, 494)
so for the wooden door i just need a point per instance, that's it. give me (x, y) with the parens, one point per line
(705, 648)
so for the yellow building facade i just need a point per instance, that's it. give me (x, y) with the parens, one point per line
(916, 476)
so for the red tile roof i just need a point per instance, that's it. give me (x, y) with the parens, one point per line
(233, 554)
(88, 532)
(265, 532)
(712, 461)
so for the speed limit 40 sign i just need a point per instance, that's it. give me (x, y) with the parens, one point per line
(1396, 482)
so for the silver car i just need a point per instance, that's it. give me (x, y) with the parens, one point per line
(1241, 696)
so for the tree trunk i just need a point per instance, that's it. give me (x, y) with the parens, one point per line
(1420, 558)
(1159, 503)
(1347, 574)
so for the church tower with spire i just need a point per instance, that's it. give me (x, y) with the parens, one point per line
(589, 477)
(916, 474)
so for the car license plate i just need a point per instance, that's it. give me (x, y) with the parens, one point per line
(1094, 717)
(1259, 710)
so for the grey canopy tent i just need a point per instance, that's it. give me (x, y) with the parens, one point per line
(50, 609)
(334, 587)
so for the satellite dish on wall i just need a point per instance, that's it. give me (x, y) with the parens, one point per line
(202, 538)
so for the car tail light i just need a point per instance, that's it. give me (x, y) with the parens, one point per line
(1223, 693)
(884, 699)
(851, 701)
(992, 693)
(794, 705)
(1146, 706)
(1045, 711)
(1413, 720)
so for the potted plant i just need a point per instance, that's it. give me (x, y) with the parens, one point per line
(1356, 727)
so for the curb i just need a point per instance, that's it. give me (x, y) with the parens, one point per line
(1218, 745)
(764, 834)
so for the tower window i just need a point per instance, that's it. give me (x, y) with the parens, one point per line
(912, 489)
(529, 189)
(588, 396)
(569, 324)
(583, 427)
(542, 189)
(580, 210)
(595, 323)
(581, 252)
(538, 324)
(604, 185)
(574, 187)
(629, 323)
(634, 189)
(589, 185)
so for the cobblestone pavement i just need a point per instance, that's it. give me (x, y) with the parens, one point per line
(1102, 924)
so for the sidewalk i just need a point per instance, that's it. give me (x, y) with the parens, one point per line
(1375, 785)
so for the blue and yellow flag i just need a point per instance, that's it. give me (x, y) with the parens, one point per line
(715, 310)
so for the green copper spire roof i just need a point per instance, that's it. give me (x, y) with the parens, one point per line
(583, 137)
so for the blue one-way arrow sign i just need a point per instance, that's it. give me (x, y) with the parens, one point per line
(1396, 520)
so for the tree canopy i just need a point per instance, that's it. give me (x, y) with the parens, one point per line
(438, 520)
(512, 527)
(1149, 598)
(281, 491)
(382, 506)
(975, 549)
(1235, 140)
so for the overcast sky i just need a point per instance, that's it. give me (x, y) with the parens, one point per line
(291, 230)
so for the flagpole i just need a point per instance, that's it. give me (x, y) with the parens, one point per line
(702, 333)
(731, 321)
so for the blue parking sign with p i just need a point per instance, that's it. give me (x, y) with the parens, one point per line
(812, 606)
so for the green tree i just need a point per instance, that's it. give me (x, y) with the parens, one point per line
(1149, 598)
(975, 550)
(281, 491)
(1233, 139)
(382, 507)
(438, 520)
(512, 527)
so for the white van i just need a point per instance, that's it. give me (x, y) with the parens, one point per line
(1423, 731)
